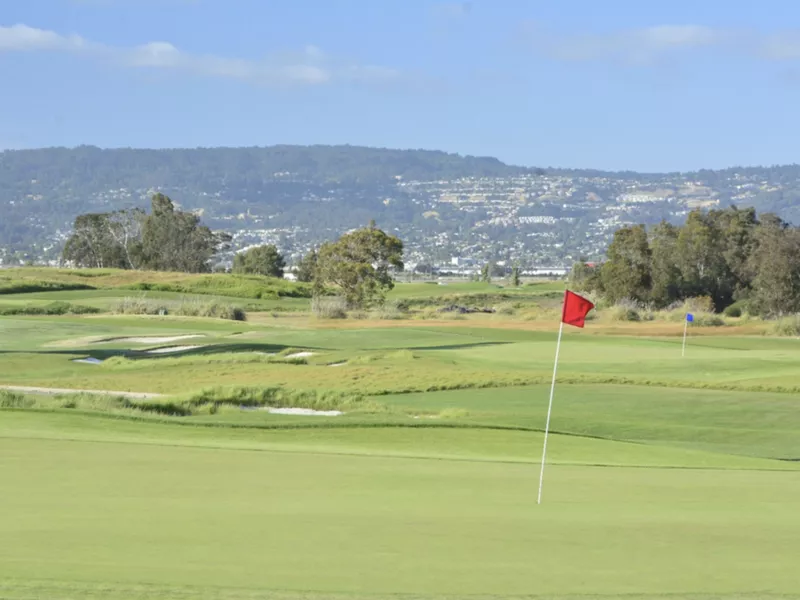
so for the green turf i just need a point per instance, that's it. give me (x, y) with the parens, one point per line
(168, 509)
(667, 477)
(385, 360)
(756, 424)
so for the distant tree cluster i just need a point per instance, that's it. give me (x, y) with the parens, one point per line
(165, 240)
(729, 255)
(261, 260)
(359, 264)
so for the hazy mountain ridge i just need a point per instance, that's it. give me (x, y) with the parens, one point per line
(445, 205)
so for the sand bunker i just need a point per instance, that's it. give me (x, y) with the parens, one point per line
(339, 364)
(300, 355)
(88, 361)
(170, 349)
(150, 340)
(304, 412)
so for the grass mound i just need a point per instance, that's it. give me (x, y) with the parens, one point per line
(10, 285)
(45, 279)
(222, 284)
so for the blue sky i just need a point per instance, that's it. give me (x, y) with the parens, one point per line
(620, 84)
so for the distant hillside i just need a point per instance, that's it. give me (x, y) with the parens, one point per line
(88, 166)
(444, 205)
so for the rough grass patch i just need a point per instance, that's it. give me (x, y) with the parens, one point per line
(329, 307)
(9, 285)
(53, 308)
(787, 326)
(9, 399)
(277, 397)
(190, 307)
(624, 314)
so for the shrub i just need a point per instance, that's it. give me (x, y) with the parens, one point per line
(708, 320)
(324, 307)
(506, 308)
(733, 311)
(625, 314)
(392, 311)
(737, 309)
(700, 304)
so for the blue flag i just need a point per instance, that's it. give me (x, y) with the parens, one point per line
(690, 317)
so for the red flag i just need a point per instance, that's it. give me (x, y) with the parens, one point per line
(575, 309)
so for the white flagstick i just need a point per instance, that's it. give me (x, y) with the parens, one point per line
(685, 329)
(549, 410)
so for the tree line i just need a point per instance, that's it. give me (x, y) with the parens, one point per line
(733, 256)
(164, 240)
(358, 265)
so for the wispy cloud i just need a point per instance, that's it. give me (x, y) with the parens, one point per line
(452, 10)
(782, 45)
(634, 46)
(311, 66)
(21, 38)
(647, 46)
(112, 3)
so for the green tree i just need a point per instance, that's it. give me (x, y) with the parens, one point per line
(486, 272)
(307, 267)
(585, 277)
(701, 259)
(125, 228)
(359, 263)
(738, 228)
(626, 273)
(173, 240)
(261, 260)
(664, 272)
(515, 277)
(92, 244)
(776, 288)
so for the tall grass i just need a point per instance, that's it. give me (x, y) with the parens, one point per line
(329, 307)
(787, 326)
(277, 397)
(628, 310)
(53, 308)
(392, 310)
(10, 399)
(208, 401)
(190, 307)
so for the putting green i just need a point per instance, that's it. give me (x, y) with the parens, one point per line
(230, 518)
